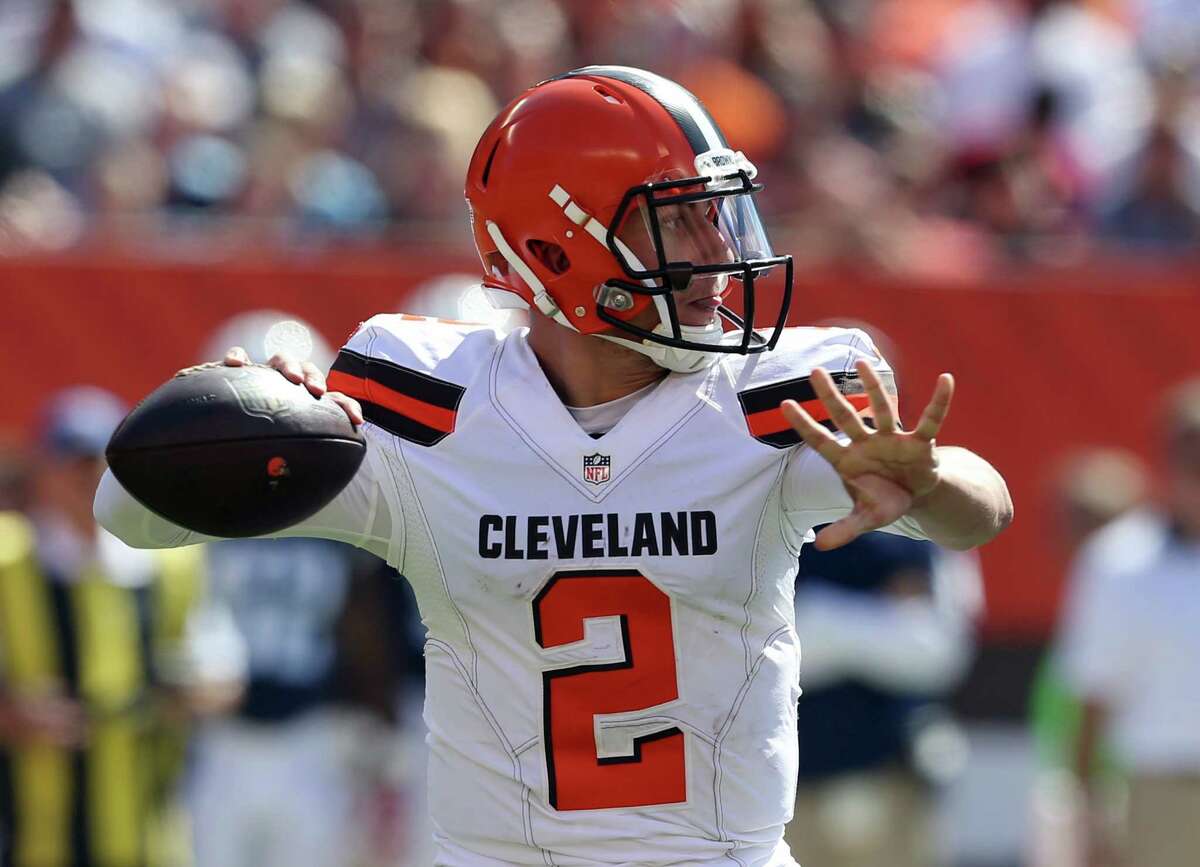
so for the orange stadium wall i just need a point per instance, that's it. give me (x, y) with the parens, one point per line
(1045, 361)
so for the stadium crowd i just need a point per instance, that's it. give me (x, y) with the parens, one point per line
(295, 120)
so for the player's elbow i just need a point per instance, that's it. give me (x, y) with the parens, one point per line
(990, 524)
(104, 510)
(981, 534)
(993, 514)
(118, 513)
(1002, 516)
(106, 516)
(1006, 510)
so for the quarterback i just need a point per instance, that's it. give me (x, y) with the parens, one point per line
(601, 514)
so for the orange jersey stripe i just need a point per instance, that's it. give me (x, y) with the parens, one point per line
(354, 386)
(418, 410)
(771, 421)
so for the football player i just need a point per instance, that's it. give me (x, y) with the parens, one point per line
(600, 515)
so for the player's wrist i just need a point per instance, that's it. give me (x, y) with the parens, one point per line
(924, 488)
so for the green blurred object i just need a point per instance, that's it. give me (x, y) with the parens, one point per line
(1055, 715)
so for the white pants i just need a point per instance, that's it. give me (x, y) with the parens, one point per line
(276, 795)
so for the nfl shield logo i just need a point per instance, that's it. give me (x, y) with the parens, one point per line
(596, 468)
(263, 398)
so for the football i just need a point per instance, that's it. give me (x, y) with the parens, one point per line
(235, 451)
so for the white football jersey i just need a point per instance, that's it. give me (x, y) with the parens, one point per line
(612, 664)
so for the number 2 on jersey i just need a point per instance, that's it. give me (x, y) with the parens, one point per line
(579, 779)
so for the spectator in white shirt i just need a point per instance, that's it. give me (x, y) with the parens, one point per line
(1131, 651)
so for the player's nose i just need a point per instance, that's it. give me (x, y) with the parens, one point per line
(711, 245)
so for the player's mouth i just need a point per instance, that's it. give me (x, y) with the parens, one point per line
(698, 304)
(710, 303)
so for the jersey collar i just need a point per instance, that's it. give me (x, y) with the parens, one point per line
(525, 399)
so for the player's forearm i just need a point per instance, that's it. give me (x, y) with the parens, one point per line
(970, 504)
(357, 516)
(131, 522)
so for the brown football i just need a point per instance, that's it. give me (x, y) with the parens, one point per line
(235, 451)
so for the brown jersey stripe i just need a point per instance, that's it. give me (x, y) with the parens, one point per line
(394, 422)
(765, 419)
(408, 404)
(365, 389)
(771, 421)
(401, 380)
(781, 440)
(787, 438)
(350, 363)
(402, 426)
(769, 396)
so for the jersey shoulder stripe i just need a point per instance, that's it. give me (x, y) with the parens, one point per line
(410, 373)
(766, 421)
(784, 374)
(406, 403)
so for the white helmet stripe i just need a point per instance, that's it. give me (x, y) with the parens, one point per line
(541, 298)
(595, 228)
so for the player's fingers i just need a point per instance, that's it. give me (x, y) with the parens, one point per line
(842, 532)
(352, 407)
(881, 403)
(813, 434)
(878, 501)
(235, 356)
(839, 408)
(288, 366)
(939, 406)
(314, 379)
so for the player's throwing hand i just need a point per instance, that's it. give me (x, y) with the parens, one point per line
(886, 471)
(307, 373)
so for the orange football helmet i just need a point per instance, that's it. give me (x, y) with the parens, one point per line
(607, 190)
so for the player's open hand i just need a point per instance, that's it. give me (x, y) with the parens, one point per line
(305, 373)
(886, 470)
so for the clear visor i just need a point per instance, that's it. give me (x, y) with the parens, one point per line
(697, 227)
(679, 239)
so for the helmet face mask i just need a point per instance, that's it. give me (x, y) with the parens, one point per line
(608, 200)
(687, 230)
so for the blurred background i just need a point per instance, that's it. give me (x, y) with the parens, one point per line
(1007, 189)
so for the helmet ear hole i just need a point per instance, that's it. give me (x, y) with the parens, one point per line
(496, 264)
(550, 255)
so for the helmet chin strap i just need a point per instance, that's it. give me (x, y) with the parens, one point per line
(674, 358)
(671, 357)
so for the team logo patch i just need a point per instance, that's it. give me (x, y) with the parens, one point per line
(596, 468)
